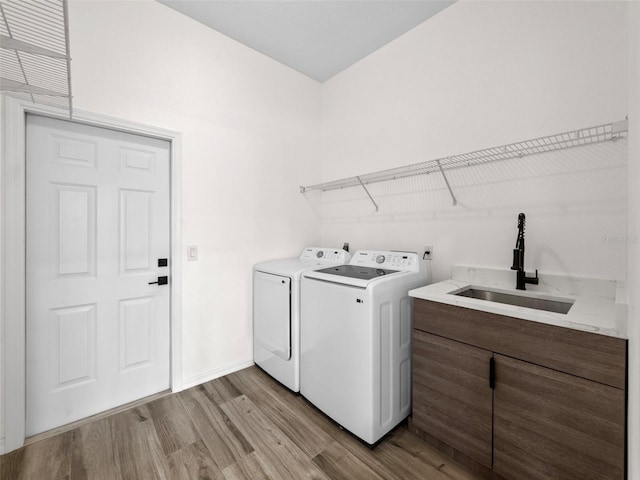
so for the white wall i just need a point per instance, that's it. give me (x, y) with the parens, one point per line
(634, 240)
(477, 75)
(250, 135)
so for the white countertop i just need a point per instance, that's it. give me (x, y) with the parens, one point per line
(600, 306)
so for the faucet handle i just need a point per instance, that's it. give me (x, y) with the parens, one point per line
(532, 280)
(517, 259)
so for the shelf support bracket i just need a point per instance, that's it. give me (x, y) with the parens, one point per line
(453, 197)
(370, 197)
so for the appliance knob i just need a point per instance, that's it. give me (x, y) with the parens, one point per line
(380, 259)
(320, 254)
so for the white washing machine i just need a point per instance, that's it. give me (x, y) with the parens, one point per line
(276, 311)
(355, 357)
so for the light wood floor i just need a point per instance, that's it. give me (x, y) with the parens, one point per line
(242, 426)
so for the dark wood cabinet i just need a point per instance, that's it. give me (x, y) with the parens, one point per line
(525, 417)
(451, 395)
(549, 424)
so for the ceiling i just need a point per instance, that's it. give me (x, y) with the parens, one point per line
(318, 38)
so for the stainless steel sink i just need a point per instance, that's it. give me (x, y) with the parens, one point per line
(517, 300)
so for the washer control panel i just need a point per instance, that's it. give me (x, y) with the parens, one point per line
(406, 261)
(325, 255)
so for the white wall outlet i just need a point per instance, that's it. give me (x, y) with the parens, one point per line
(428, 253)
(192, 252)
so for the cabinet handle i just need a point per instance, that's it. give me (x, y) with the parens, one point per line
(492, 373)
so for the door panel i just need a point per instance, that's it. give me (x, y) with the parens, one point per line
(452, 398)
(549, 424)
(97, 221)
(135, 332)
(272, 313)
(74, 236)
(135, 231)
(74, 345)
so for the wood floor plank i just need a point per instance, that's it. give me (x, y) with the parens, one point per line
(49, 458)
(223, 439)
(416, 459)
(174, 427)
(245, 426)
(407, 456)
(287, 410)
(93, 455)
(261, 388)
(222, 390)
(278, 450)
(193, 462)
(138, 452)
(251, 467)
(371, 457)
(10, 464)
(84, 421)
(340, 464)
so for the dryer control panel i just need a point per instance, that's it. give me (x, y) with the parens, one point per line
(404, 261)
(325, 255)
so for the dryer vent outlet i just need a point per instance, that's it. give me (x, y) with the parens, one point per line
(428, 253)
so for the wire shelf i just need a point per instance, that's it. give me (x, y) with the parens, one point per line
(34, 52)
(575, 138)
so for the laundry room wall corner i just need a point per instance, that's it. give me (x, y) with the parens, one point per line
(433, 93)
(251, 135)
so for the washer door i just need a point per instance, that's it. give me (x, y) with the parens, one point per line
(272, 313)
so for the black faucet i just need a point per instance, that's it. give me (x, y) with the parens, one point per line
(518, 259)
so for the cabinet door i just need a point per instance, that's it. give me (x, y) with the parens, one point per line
(452, 398)
(551, 425)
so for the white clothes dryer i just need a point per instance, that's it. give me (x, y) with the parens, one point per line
(355, 360)
(276, 311)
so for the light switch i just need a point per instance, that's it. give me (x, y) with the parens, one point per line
(192, 252)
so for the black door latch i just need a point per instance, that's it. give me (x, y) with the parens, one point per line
(161, 281)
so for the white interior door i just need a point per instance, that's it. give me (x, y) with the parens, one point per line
(98, 221)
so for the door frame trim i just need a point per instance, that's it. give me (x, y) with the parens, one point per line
(13, 275)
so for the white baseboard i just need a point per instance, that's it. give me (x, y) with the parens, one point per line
(212, 374)
(2, 445)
